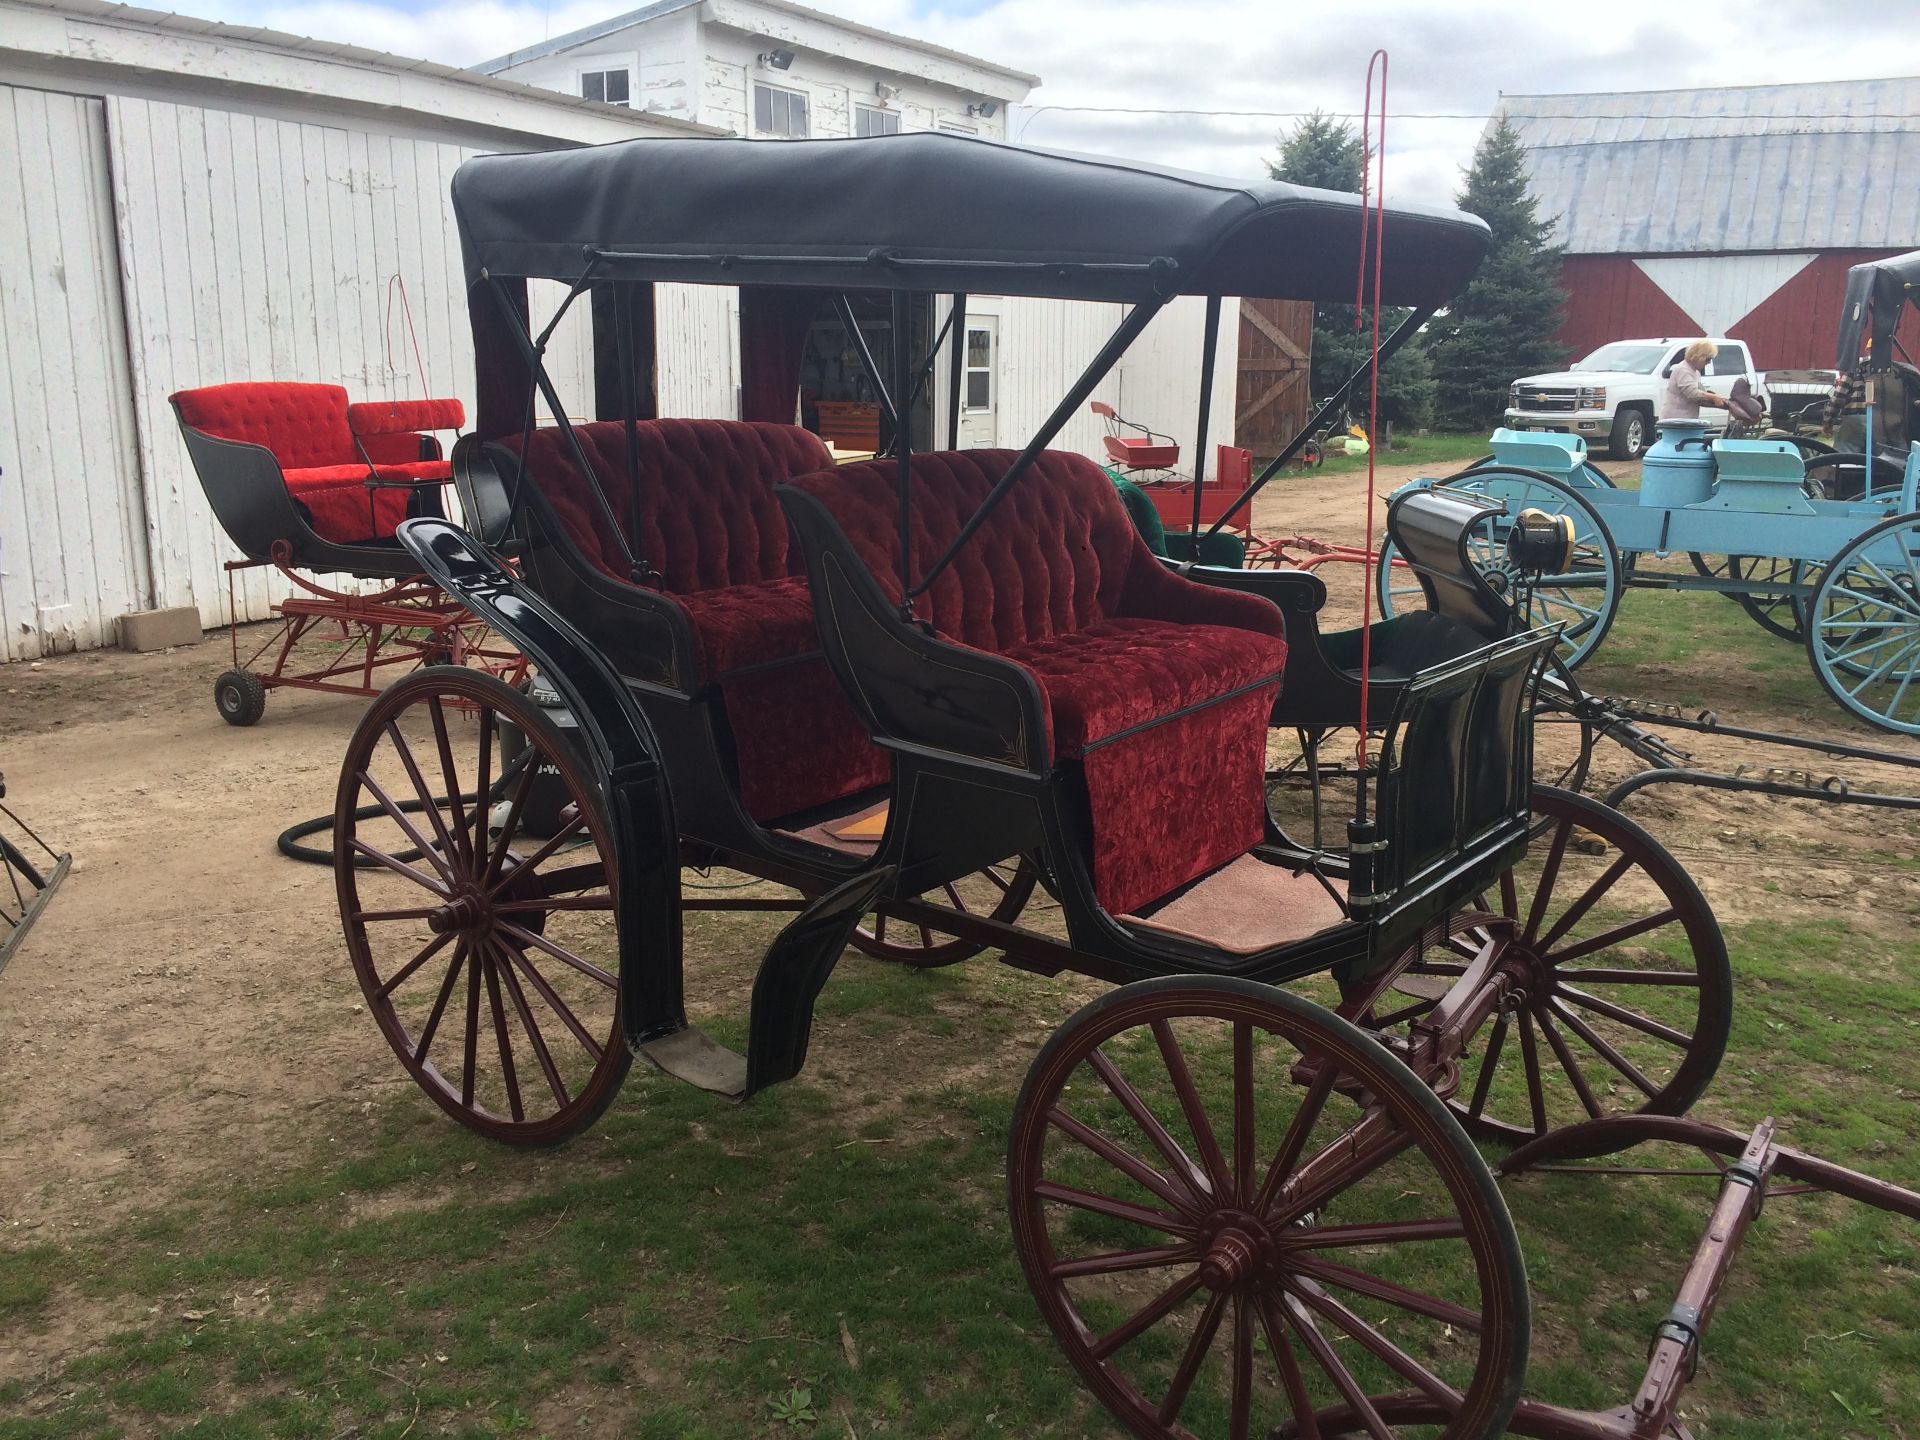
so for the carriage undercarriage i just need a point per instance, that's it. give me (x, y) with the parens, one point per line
(1242, 1212)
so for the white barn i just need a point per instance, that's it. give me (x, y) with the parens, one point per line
(184, 203)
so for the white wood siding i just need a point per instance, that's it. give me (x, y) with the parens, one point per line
(72, 555)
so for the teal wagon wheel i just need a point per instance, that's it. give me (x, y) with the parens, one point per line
(1584, 598)
(1863, 627)
(471, 856)
(1242, 1218)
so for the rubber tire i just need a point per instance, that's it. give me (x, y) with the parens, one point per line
(1628, 438)
(240, 696)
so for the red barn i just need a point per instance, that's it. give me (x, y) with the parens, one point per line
(1724, 212)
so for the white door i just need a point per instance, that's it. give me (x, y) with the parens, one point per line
(980, 384)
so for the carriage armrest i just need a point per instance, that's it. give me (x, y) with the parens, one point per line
(1156, 590)
(1296, 592)
(909, 686)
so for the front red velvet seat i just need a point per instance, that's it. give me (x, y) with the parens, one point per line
(709, 527)
(1157, 687)
(305, 428)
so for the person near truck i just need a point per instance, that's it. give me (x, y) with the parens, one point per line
(1684, 395)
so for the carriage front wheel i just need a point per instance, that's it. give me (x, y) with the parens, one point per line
(471, 859)
(1242, 1217)
(1863, 626)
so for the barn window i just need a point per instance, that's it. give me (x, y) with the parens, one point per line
(871, 120)
(611, 86)
(780, 112)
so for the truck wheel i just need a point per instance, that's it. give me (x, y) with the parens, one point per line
(1629, 438)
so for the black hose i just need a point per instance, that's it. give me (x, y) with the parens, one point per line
(288, 842)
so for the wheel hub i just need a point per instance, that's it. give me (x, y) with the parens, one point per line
(468, 913)
(1240, 1250)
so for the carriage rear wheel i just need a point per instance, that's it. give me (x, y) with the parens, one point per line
(1241, 1216)
(1625, 993)
(1863, 626)
(471, 859)
(1781, 614)
(999, 892)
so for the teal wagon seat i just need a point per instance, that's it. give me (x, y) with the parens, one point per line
(1150, 689)
(717, 609)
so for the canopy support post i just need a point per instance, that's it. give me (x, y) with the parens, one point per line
(1402, 333)
(956, 368)
(1210, 346)
(623, 341)
(1136, 320)
(903, 450)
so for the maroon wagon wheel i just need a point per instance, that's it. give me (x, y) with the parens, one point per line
(1625, 993)
(1239, 1214)
(489, 959)
(999, 892)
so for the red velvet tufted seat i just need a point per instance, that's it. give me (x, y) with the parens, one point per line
(1157, 687)
(709, 524)
(305, 426)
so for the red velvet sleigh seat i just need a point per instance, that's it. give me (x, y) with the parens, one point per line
(308, 431)
(1156, 687)
(710, 528)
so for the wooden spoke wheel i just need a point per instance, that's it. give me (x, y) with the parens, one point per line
(1623, 990)
(1783, 614)
(1239, 1213)
(1000, 892)
(471, 857)
(1863, 626)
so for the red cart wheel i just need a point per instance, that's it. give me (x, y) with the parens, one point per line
(470, 857)
(1627, 993)
(1239, 1214)
(1000, 892)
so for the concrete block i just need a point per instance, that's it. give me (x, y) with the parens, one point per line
(157, 629)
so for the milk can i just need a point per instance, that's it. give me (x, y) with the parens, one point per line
(1678, 469)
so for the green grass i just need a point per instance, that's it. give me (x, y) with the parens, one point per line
(687, 1267)
(1450, 451)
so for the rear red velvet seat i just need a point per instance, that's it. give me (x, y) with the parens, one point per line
(1157, 687)
(709, 528)
(306, 429)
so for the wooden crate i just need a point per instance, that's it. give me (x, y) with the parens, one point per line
(849, 425)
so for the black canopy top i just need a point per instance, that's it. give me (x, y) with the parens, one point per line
(927, 211)
(1878, 289)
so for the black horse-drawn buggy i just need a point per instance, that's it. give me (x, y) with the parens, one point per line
(914, 691)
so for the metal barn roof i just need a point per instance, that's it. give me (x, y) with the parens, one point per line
(1824, 166)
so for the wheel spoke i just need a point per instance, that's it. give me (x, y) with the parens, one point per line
(1488, 1064)
(1576, 911)
(544, 886)
(1433, 1307)
(432, 948)
(418, 912)
(1240, 1411)
(1548, 874)
(565, 957)
(1329, 1362)
(532, 862)
(1149, 1123)
(555, 1003)
(1196, 1351)
(380, 857)
(1129, 1165)
(1243, 1123)
(1120, 1262)
(499, 845)
(481, 785)
(512, 1080)
(1376, 1232)
(1632, 1018)
(1605, 975)
(1147, 1316)
(1605, 1051)
(1289, 1366)
(427, 802)
(1192, 1108)
(1295, 1140)
(407, 827)
(1339, 1165)
(1536, 1091)
(455, 806)
(1113, 1209)
(1382, 1348)
(439, 1004)
(468, 1076)
(534, 1037)
(1575, 1075)
(1616, 936)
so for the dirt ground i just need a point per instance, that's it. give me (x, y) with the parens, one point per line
(184, 1006)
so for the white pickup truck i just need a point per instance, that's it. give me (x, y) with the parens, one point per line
(1613, 395)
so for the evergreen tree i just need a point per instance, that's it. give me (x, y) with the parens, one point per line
(1502, 326)
(1327, 153)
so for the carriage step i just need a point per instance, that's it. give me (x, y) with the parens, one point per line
(695, 1057)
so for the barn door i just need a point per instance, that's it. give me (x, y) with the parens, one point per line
(1270, 401)
(73, 552)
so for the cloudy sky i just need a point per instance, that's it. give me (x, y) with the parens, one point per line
(1450, 61)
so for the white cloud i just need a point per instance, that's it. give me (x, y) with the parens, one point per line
(1241, 55)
